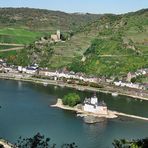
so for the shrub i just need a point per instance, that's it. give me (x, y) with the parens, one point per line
(71, 99)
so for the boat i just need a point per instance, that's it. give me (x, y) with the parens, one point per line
(45, 84)
(115, 94)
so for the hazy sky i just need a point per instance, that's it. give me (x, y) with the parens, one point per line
(91, 6)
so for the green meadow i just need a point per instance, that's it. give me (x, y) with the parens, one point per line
(18, 36)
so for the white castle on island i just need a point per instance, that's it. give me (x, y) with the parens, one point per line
(92, 105)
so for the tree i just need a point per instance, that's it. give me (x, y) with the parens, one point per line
(39, 141)
(71, 145)
(133, 80)
(71, 99)
(122, 143)
(1, 146)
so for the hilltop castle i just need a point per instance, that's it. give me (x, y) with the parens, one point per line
(56, 37)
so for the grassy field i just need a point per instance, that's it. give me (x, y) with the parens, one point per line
(18, 36)
(8, 54)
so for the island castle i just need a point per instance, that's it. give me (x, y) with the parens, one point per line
(92, 105)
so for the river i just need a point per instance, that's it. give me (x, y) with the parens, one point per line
(25, 110)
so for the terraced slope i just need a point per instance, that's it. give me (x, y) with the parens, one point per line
(25, 25)
(121, 46)
(110, 45)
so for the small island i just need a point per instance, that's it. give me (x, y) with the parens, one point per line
(91, 109)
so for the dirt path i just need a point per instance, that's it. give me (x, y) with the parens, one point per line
(11, 44)
(120, 55)
(11, 49)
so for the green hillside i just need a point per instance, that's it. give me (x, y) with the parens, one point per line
(121, 46)
(43, 20)
(18, 36)
(25, 25)
(100, 44)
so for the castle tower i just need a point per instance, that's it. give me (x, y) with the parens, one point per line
(58, 34)
(94, 100)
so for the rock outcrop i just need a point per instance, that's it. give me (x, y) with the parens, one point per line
(93, 119)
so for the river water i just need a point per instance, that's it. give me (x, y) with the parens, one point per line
(25, 110)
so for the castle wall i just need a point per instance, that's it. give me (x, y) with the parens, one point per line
(54, 37)
(97, 110)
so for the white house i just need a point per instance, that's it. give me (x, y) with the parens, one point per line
(30, 70)
(91, 79)
(130, 85)
(92, 105)
(47, 73)
(7, 69)
(20, 68)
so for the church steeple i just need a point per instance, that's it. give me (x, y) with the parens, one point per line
(94, 100)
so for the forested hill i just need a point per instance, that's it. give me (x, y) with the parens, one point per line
(100, 45)
(40, 19)
(121, 45)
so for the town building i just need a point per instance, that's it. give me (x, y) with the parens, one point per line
(47, 73)
(33, 69)
(130, 85)
(92, 105)
(30, 70)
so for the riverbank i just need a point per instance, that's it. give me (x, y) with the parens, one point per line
(5, 144)
(81, 113)
(106, 89)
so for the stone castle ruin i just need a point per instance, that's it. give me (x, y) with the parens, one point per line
(56, 37)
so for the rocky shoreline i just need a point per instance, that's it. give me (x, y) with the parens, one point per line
(5, 144)
(92, 117)
(87, 116)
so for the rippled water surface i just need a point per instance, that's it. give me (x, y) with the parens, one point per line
(25, 110)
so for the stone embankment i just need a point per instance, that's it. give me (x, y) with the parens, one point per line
(131, 116)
